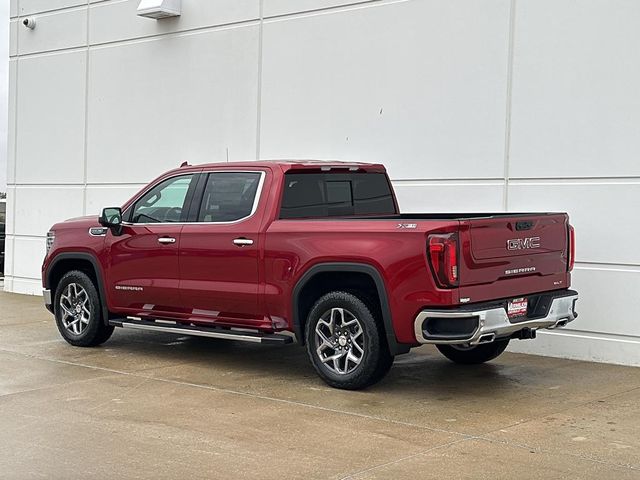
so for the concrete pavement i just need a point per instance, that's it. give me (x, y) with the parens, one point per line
(148, 405)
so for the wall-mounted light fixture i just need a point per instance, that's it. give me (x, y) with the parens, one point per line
(158, 9)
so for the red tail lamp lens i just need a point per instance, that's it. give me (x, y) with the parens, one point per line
(443, 257)
(572, 248)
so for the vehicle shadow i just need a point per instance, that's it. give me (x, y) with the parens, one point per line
(422, 371)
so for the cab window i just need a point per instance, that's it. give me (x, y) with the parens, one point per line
(229, 196)
(164, 203)
(316, 195)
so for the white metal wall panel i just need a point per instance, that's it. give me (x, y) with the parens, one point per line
(29, 251)
(50, 118)
(10, 221)
(100, 196)
(54, 31)
(576, 107)
(113, 21)
(40, 206)
(424, 93)
(449, 196)
(9, 258)
(619, 288)
(274, 8)
(13, 37)
(154, 105)
(28, 7)
(11, 124)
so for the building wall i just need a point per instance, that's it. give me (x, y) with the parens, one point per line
(472, 105)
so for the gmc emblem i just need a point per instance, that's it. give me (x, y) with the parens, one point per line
(523, 243)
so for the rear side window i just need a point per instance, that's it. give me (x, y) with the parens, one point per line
(309, 195)
(229, 196)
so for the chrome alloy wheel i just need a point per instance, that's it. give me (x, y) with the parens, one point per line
(339, 341)
(74, 305)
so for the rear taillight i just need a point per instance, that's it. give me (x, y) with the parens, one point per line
(443, 258)
(572, 248)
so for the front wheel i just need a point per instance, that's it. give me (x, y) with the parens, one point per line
(473, 355)
(345, 343)
(78, 311)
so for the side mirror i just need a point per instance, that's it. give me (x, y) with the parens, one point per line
(112, 218)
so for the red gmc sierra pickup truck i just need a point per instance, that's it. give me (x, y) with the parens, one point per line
(265, 252)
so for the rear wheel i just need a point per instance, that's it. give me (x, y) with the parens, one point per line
(475, 354)
(78, 311)
(345, 343)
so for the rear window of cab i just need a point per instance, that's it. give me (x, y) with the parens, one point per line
(315, 195)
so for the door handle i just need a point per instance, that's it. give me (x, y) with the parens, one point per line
(167, 240)
(243, 242)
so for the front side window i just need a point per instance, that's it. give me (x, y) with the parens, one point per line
(164, 203)
(229, 196)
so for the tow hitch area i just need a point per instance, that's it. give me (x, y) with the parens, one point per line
(525, 334)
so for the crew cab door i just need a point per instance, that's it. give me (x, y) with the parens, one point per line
(219, 251)
(143, 267)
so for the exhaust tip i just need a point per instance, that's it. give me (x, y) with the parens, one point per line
(489, 337)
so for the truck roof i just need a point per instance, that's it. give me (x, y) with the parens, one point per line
(286, 165)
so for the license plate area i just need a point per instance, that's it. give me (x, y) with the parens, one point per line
(517, 308)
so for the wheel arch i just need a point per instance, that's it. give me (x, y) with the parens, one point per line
(84, 262)
(303, 298)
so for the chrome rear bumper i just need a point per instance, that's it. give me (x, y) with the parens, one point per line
(494, 323)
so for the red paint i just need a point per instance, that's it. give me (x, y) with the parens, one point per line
(136, 259)
(205, 278)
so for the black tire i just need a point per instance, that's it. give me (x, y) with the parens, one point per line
(93, 331)
(474, 355)
(375, 360)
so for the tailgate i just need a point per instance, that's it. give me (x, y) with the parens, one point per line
(510, 255)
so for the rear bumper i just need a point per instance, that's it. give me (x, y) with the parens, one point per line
(469, 325)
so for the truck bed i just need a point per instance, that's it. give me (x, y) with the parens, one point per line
(498, 254)
(447, 216)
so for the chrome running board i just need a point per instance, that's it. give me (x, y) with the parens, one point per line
(216, 332)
